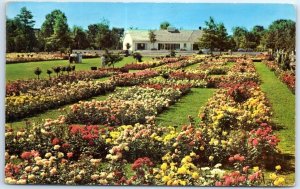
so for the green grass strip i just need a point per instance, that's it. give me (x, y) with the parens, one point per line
(25, 70)
(283, 105)
(177, 114)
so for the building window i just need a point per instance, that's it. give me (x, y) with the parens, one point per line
(141, 46)
(184, 45)
(161, 46)
(168, 46)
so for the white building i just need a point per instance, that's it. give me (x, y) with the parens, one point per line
(170, 39)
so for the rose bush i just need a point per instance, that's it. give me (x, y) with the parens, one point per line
(34, 102)
(23, 86)
(127, 106)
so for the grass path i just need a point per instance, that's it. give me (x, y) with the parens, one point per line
(283, 105)
(25, 70)
(177, 114)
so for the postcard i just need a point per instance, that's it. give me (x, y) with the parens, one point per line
(157, 94)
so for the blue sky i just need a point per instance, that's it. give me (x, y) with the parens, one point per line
(150, 15)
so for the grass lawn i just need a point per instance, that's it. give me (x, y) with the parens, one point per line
(25, 70)
(177, 114)
(283, 105)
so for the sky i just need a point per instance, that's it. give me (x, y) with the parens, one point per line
(150, 15)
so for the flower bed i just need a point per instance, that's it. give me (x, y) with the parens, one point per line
(91, 155)
(35, 102)
(130, 106)
(33, 57)
(237, 119)
(23, 86)
(130, 79)
(231, 143)
(162, 81)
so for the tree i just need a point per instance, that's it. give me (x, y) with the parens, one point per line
(79, 38)
(99, 35)
(111, 59)
(240, 37)
(281, 35)
(128, 46)
(26, 28)
(255, 35)
(214, 35)
(222, 34)
(91, 34)
(117, 35)
(38, 72)
(137, 56)
(231, 43)
(20, 32)
(49, 72)
(56, 32)
(11, 33)
(152, 37)
(164, 25)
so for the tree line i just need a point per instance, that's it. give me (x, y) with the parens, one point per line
(56, 35)
(279, 35)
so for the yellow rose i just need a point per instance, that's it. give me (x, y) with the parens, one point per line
(255, 169)
(195, 175)
(278, 167)
(169, 183)
(31, 177)
(273, 176)
(281, 181)
(165, 179)
(192, 154)
(276, 183)
(175, 183)
(182, 182)
(164, 166)
(181, 170)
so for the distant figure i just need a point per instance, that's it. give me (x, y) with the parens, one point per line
(70, 58)
(103, 59)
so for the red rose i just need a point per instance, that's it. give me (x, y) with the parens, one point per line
(55, 141)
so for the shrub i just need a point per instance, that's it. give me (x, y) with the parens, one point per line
(138, 56)
(38, 72)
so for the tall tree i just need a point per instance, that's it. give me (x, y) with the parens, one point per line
(240, 37)
(21, 36)
(214, 35)
(117, 36)
(281, 35)
(55, 31)
(222, 37)
(164, 25)
(79, 37)
(11, 33)
(99, 35)
(152, 37)
(256, 34)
